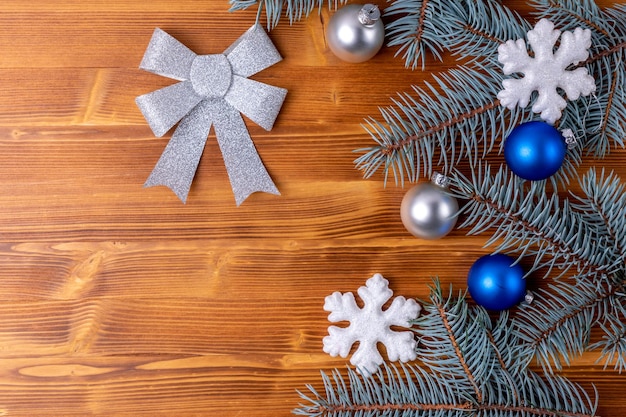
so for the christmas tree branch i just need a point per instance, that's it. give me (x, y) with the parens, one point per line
(529, 222)
(578, 12)
(389, 149)
(617, 48)
(421, 127)
(470, 408)
(413, 32)
(468, 29)
(440, 388)
(487, 24)
(458, 119)
(613, 343)
(557, 325)
(420, 22)
(588, 235)
(295, 10)
(603, 206)
(443, 315)
(545, 236)
(600, 116)
(445, 348)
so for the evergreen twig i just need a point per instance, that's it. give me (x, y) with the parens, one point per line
(294, 10)
(420, 130)
(583, 241)
(468, 368)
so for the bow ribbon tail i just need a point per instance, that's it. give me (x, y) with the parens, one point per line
(179, 161)
(245, 169)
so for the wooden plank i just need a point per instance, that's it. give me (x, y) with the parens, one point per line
(220, 268)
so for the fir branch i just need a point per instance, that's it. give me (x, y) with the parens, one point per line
(445, 353)
(601, 116)
(467, 29)
(613, 343)
(487, 24)
(603, 206)
(457, 119)
(295, 10)
(452, 330)
(559, 235)
(569, 14)
(428, 127)
(556, 327)
(416, 27)
(528, 222)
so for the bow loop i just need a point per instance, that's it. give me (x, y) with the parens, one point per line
(213, 91)
(168, 57)
(163, 108)
(260, 102)
(252, 52)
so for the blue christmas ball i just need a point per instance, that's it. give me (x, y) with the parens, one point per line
(535, 150)
(495, 283)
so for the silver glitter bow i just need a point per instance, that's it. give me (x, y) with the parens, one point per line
(214, 89)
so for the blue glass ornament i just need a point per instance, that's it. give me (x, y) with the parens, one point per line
(495, 283)
(535, 150)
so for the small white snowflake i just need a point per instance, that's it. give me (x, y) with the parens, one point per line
(547, 70)
(370, 325)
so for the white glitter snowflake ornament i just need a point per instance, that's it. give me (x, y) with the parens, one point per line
(370, 325)
(547, 70)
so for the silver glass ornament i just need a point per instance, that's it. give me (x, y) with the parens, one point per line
(355, 32)
(428, 211)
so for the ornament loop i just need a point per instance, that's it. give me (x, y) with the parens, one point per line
(369, 14)
(529, 297)
(440, 180)
(570, 138)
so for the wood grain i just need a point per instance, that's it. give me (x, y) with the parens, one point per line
(117, 300)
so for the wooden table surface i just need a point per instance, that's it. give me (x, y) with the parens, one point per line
(120, 300)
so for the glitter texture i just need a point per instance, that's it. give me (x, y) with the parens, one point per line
(214, 91)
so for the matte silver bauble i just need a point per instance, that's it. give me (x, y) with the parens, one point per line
(355, 32)
(428, 212)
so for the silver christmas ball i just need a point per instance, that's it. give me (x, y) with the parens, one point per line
(355, 32)
(428, 212)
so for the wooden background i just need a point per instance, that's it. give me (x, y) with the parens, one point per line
(120, 300)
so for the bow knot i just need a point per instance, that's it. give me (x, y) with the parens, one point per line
(213, 91)
(211, 75)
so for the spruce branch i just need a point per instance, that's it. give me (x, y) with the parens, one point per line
(439, 125)
(584, 239)
(569, 14)
(613, 343)
(481, 374)
(486, 25)
(458, 118)
(457, 357)
(471, 29)
(295, 10)
(603, 207)
(525, 220)
(600, 118)
(556, 327)
(416, 28)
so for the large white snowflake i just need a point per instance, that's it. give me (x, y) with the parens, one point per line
(546, 71)
(370, 325)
